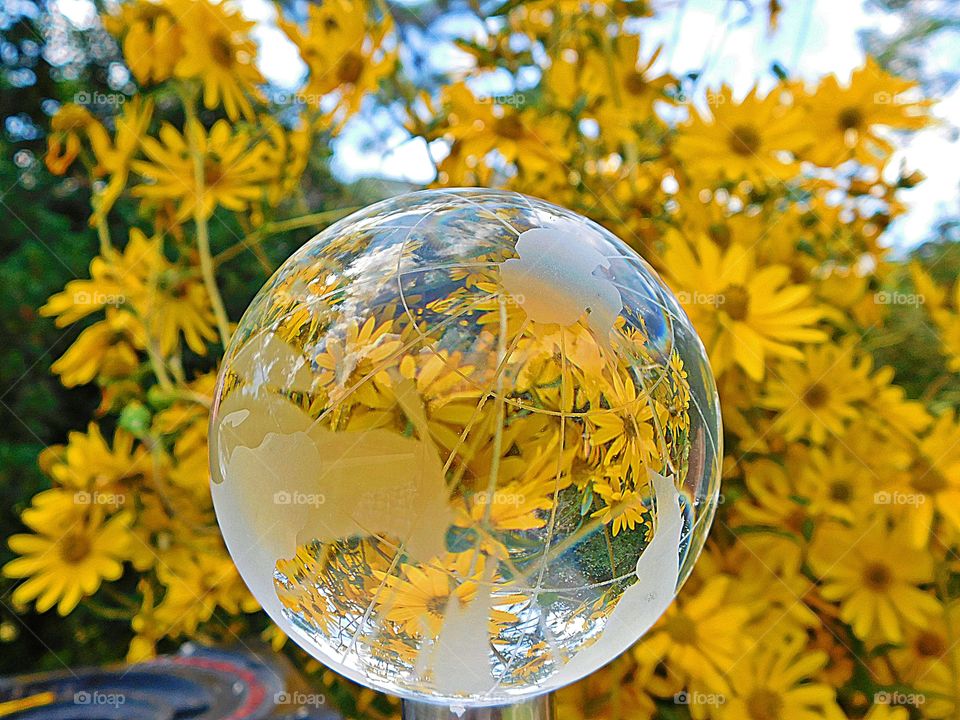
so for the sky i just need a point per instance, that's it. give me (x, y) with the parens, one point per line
(717, 38)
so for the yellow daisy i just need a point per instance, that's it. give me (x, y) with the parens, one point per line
(742, 140)
(875, 574)
(699, 636)
(779, 682)
(151, 38)
(344, 53)
(114, 156)
(417, 597)
(820, 395)
(743, 312)
(235, 168)
(219, 51)
(845, 119)
(72, 551)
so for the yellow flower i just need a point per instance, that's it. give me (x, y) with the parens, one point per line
(219, 52)
(107, 350)
(196, 583)
(115, 278)
(416, 598)
(742, 140)
(770, 503)
(342, 51)
(289, 153)
(844, 120)
(102, 474)
(522, 137)
(874, 572)
(624, 507)
(626, 435)
(71, 553)
(778, 682)
(113, 158)
(932, 481)
(925, 661)
(699, 637)
(820, 395)
(743, 312)
(64, 140)
(624, 87)
(166, 300)
(234, 169)
(362, 350)
(180, 304)
(838, 484)
(943, 306)
(151, 38)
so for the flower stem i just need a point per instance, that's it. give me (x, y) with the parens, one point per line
(280, 226)
(103, 233)
(200, 220)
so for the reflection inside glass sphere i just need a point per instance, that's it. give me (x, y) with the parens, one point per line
(465, 446)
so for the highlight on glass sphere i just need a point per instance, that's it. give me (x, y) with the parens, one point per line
(465, 446)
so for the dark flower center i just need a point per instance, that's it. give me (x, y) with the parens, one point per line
(849, 119)
(816, 396)
(877, 577)
(350, 68)
(74, 548)
(736, 302)
(509, 126)
(682, 629)
(744, 140)
(763, 704)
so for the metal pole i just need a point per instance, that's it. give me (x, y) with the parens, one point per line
(538, 708)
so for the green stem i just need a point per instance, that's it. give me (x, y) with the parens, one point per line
(200, 221)
(103, 233)
(274, 228)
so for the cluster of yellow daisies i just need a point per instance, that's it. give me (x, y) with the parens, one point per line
(828, 587)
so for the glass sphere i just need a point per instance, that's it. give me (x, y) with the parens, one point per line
(465, 446)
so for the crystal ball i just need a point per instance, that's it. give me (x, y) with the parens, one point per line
(465, 446)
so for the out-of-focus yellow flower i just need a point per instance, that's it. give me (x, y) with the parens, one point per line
(219, 52)
(845, 120)
(925, 661)
(623, 88)
(107, 349)
(943, 307)
(778, 681)
(742, 140)
(344, 51)
(819, 396)
(699, 637)
(770, 503)
(64, 141)
(197, 583)
(838, 484)
(166, 300)
(74, 548)
(114, 157)
(521, 136)
(743, 312)
(287, 153)
(103, 473)
(151, 38)
(874, 573)
(931, 483)
(235, 167)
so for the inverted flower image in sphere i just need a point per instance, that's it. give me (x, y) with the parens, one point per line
(465, 446)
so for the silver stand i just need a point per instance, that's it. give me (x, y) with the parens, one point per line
(538, 708)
